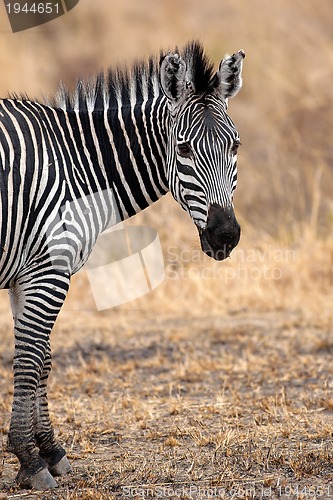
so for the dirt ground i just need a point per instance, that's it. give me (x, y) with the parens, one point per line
(215, 406)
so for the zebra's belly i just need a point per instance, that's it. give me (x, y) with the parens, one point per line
(60, 246)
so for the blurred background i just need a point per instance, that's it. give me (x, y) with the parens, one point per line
(284, 115)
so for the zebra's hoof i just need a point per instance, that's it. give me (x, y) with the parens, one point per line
(61, 468)
(40, 481)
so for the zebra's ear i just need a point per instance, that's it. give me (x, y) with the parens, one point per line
(229, 75)
(173, 76)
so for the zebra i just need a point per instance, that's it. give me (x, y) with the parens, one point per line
(120, 141)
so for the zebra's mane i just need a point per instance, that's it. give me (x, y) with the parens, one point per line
(134, 84)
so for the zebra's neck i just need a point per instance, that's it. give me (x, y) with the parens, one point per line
(127, 146)
(125, 125)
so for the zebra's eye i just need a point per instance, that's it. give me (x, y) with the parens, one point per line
(184, 150)
(235, 146)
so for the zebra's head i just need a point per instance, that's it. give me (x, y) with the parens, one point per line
(203, 142)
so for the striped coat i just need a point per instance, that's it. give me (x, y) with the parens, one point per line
(81, 163)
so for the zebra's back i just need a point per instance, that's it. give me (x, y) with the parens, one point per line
(50, 206)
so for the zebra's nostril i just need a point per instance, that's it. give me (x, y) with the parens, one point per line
(221, 234)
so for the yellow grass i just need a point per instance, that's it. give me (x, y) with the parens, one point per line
(221, 377)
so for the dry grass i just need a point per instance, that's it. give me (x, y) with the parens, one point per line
(238, 403)
(234, 396)
(221, 378)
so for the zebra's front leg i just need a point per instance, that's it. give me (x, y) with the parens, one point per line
(33, 472)
(49, 449)
(36, 301)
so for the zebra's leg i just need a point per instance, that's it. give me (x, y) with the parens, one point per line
(36, 300)
(52, 452)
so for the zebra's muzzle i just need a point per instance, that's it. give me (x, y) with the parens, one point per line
(221, 234)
